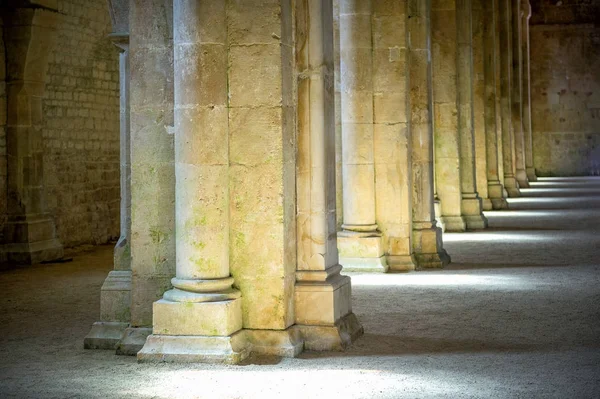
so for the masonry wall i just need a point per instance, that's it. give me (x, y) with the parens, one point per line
(3, 115)
(565, 83)
(81, 126)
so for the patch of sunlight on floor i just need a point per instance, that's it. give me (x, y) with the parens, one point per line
(485, 236)
(432, 279)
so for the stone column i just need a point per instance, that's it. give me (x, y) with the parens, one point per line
(115, 295)
(479, 105)
(322, 296)
(498, 94)
(505, 55)
(360, 244)
(492, 122)
(471, 207)
(445, 122)
(427, 237)
(152, 167)
(29, 232)
(197, 319)
(517, 97)
(527, 127)
(393, 202)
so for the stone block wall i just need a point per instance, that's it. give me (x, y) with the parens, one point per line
(3, 115)
(565, 85)
(81, 126)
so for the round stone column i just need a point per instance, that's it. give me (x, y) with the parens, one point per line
(360, 244)
(197, 319)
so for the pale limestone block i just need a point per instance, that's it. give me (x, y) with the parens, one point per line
(202, 244)
(359, 196)
(255, 136)
(208, 73)
(194, 349)
(115, 297)
(352, 31)
(252, 64)
(323, 304)
(355, 246)
(357, 108)
(104, 335)
(389, 107)
(214, 130)
(285, 343)
(267, 301)
(358, 143)
(197, 319)
(249, 23)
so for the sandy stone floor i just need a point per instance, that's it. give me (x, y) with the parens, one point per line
(516, 315)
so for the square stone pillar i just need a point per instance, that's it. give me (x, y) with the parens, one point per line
(527, 127)
(152, 164)
(504, 46)
(445, 112)
(115, 296)
(492, 120)
(517, 98)
(471, 206)
(323, 310)
(427, 237)
(479, 104)
(29, 231)
(393, 199)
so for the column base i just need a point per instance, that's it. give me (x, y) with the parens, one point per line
(486, 204)
(531, 176)
(497, 195)
(122, 254)
(499, 203)
(194, 349)
(454, 223)
(284, 343)
(472, 212)
(522, 179)
(133, 340)
(31, 240)
(437, 208)
(429, 249)
(115, 297)
(360, 252)
(104, 335)
(336, 337)
(401, 263)
(323, 302)
(33, 252)
(512, 187)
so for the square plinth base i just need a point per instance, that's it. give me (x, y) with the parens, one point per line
(454, 223)
(104, 335)
(115, 296)
(197, 349)
(133, 340)
(323, 303)
(284, 343)
(362, 254)
(197, 319)
(429, 249)
(401, 263)
(337, 337)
